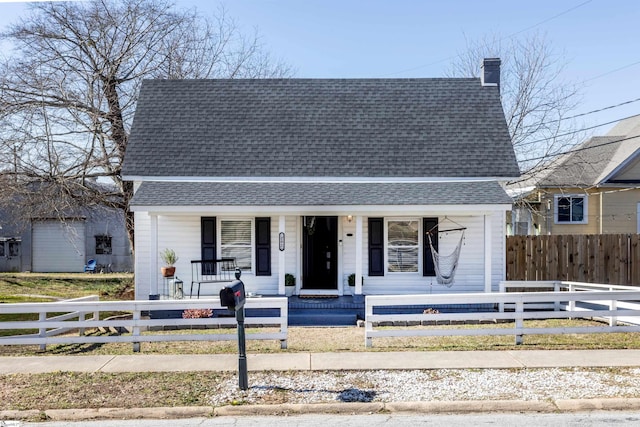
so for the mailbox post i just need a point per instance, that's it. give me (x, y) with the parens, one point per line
(233, 297)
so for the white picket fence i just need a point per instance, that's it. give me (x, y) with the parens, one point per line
(567, 286)
(139, 327)
(612, 305)
(620, 305)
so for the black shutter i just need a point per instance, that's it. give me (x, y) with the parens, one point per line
(429, 225)
(208, 230)
(263, 246)
(376, 246)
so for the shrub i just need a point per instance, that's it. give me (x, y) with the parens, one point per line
(289, 280)
(197, 313)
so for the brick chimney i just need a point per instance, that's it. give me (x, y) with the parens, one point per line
(490, 75)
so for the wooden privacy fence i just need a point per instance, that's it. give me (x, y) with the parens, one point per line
(592, 258)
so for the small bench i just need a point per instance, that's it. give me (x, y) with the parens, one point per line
(213, 271)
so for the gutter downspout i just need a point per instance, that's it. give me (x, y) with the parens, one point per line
(600, 213)
(548, 216)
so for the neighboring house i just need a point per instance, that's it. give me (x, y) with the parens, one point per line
(53, 245)
(322, 179)
(593, 190)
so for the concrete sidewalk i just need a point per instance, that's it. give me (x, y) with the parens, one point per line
(321, 362)
(325, 361)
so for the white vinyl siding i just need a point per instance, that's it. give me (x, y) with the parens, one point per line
(141, 261)
(58, 247)
(498, 249)
(183, 234)
(470, 272)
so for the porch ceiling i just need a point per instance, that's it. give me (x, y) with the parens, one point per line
(319, 194)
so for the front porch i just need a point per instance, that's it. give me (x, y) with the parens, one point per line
(302, 311)
(339, 255)
(347, 310)
(321, 311)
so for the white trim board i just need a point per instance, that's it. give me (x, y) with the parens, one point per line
(314, 179)
(328, 210)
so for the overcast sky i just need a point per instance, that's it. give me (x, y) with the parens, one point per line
(599, 39)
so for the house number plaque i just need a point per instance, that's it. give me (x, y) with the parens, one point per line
(281, 241)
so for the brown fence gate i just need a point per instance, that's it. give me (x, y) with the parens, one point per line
(592, 258)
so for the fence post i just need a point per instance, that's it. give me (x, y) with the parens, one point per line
(81, 318)
(572, 303)
(284, 322)
(613, 306)
(368, 325)
(136, 329)
(556, 290)
(42, 333)
(519, 311)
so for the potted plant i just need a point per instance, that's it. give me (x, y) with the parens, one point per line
(351, 280)
(169, 258)
(289, 283)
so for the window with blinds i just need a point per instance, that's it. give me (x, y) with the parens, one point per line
(236, 241)
(403, 246)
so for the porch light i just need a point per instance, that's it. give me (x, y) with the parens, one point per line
(349, 218)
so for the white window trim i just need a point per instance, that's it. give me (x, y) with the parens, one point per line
(253, 239)
(386, 246)
(585, 212)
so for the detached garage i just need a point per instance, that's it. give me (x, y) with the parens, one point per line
(58, 246)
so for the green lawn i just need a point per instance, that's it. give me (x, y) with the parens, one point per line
(39, 287)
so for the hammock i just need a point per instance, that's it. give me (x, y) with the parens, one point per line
(446, 265)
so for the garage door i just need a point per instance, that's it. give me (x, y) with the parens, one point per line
(58, 247)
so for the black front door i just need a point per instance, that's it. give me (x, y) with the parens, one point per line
(320, 252)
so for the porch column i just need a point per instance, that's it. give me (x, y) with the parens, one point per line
(281, 255)
(358, 255)
(487, 253)
(153, 254)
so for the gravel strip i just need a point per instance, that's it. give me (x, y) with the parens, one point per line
(430, 385)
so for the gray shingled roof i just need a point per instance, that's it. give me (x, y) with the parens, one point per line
(595, 159)
(583, 168)
(319, 127)
(153, 193)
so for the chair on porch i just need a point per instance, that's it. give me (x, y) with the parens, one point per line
(213, 271)
(90, 267)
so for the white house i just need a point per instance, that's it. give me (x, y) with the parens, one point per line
(321, 179)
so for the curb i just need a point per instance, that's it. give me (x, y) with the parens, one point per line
(610, 404)
(301, 408)
(472, 406)
(433, 407)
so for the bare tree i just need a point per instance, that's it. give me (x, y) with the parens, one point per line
(535, 98)
(68, 92)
